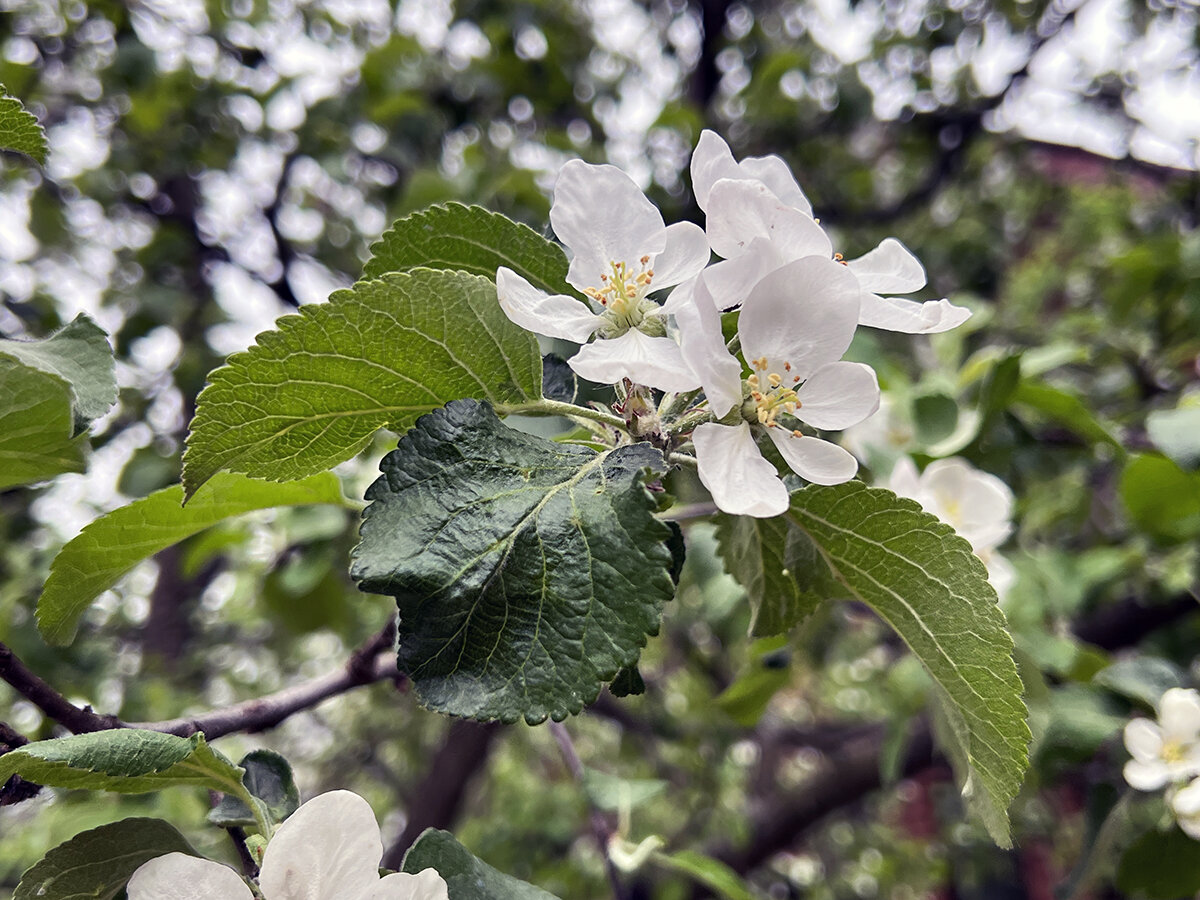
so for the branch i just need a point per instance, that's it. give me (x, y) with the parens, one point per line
(16, 789)
(437, 799)
(34, 689)
(601, 829)
(372, 662)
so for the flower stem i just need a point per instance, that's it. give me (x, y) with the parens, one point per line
(546, 407)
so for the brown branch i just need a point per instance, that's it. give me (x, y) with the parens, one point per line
(438, 798)
(16, 789)
(34, 689)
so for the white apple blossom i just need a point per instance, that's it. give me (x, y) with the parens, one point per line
(1185, 804)
(977, 504)
(796, 325)
(759, 219)
(329, 849)
(1167, 751)
(620, 253)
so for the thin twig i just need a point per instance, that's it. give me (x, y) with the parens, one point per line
(601, 829)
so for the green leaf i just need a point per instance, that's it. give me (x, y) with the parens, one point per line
(124, 761)
(466, 877)
(527, 573)
(705, 870)
(98, 863)
(1143, 678)
(1176, 432)
(469, 239)
(1065, 409)
(96, 558)
(268, 776)
(747, 698)
(80, 355)
(924, 581)
(313, 392)
(628, 683)
(1162, 499)
(36, 426)
(20, 129)
(776, 564)
(1160, 867)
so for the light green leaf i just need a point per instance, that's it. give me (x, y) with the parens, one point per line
(20, 129)
(747, 698)
(98, 863)
(36, 426)
(470, 239)
(466, 877)
(613, 793)
(80, 355)
(124, 761)
(313, 392)
(1142, 678)
(924, 581)
(109, 547)
(705, 870)
(527, 573)
(1176, 432)
(775, 564)
(1161, 498)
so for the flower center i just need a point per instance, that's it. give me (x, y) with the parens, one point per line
(622, 291)
(772, 392)
(1174, 751)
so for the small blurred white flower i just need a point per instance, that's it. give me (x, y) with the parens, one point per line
(329, 849)
(976, 504)
(1185, 804)
(1168, 751)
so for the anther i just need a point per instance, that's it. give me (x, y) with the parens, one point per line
(797, 433)
(774, 379)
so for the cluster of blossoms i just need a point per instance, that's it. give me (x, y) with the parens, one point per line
(328, 849)
(799, 305)
(1166, 754)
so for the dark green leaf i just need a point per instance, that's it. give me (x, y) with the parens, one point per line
(558, 379)
(469, 239)
(96, 558)
(20, 129)
(1065, 409)
(527, 573)
(777, 566)
(924, 581)
(1161, 867)
(466, 877)
(98, 863)
(313, 392)
(124, 760)
(628, 683)
(268, 776)
(935, 417)
(79, 354)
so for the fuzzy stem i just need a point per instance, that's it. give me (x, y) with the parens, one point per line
(546, 407)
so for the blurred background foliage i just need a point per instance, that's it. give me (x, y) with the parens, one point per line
(216, 164)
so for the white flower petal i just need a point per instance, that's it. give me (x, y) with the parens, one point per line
(803, 315)
(711, 161)
(731, 280)
(1186, 800)
(653, 361)
(888, 269)
(982, 504)
(425, 885)
(1190, 827)
(740, 211)
(554, 315)
(732, 468)
(702, 345)
(1179, 714)
(905, 480)
(177, 876)
(1143, 740)
(838, 395)
(603, 217)
(775, 174)
(1001, 575)
(814, 459)
(685, 255)
(1146, 776)
(910, 317)
(329, 849)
